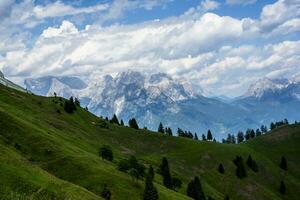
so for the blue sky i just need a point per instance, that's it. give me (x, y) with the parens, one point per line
(221, 46)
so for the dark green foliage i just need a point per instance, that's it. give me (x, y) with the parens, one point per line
(58, 111)
(106, 153)
(203, 137)
(263, 129)
(134, 174)
(283, 163)
(282, 188)
(209, 135)
(240, 137)
(240, 168)
(133, 123)
(161, 128)
(132, 163)
(258, 133)
(165, 172)
(230, 139)
(226, 197)
(194, 189)
(69, 105)
(210, 198)
(106, 194)
(252, 133)
(77, 102)
(150, 192)
(221, 168)
(115, 120)
(196, 136)
(177, 183)
(169, 131)
(151, 172)
(252, 164)
(186, 134)
(122, 122)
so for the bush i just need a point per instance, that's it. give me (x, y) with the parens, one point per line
(106, 153)
(132, 163)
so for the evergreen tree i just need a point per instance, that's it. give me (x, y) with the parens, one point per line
(252, 133)
(194, 189)
(240, 137)
(165, 171)
(106, 153)
(209, 135)
(106, 194)
(122, 122)
(258, 133)
(69, 105)
(254, 166)
(133, 124)
(169, 131)
(196, 136)
(240, 168)
(249, 161)
(247, 135)
(150, 192)
(283, 163)
(161, 128)
(151, 172)
(221, 168)
(282, 188)
(203, 137)
(115, 119)
(77, 102)
(272, 126)
(177, 183)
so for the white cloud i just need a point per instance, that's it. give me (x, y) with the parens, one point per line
(240, 2)
(209, 5)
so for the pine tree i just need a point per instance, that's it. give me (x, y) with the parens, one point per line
(240, 137)
(151, 172)
(240, 168)
(283, 163)
(209, 135)
(169, 131)
(272, 126)
(282, 188)
(167, 179)
(122, 122)
(150, 192)
(221, 168)
(196, 136)
(115, 119)
(106, 153)
(177, 183)
(249, 161)
(194, 189)
(133, 124)
(252, 134)
(77, 102)
(203, 137)
(258, 133)
(106, 194)
(161, 128)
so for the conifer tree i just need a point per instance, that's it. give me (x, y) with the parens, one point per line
(209, 135)
(196, 136)
(77, 102)
(240, 137)
(122, 122)
(252, 133)
(249, 161)
(161, 128)
(221, 168)
(203, 137)
(106, 194)
(150, 192)
(283, 163)
(258, 133)
(282, 188)
(106, 153)
(133, 124)
(194, 189)
(151, 172)
(167, 179)
(115, 119)
(169, 131)
(240, 168)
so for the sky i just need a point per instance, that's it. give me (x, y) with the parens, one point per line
(221, 46)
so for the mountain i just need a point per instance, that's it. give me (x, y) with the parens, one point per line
(45, 154)
(8, 83)
(271, 100)
(151, 99)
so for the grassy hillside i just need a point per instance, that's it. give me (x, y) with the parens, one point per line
(50, 154)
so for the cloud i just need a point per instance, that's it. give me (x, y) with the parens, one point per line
(209, 5)
(240, 2)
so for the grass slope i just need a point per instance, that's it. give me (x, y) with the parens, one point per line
(51, 155)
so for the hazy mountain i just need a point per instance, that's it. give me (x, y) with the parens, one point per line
(159, 98)
(8, 83)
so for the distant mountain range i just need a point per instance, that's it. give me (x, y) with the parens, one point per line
(159, 98)
(8, 83)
